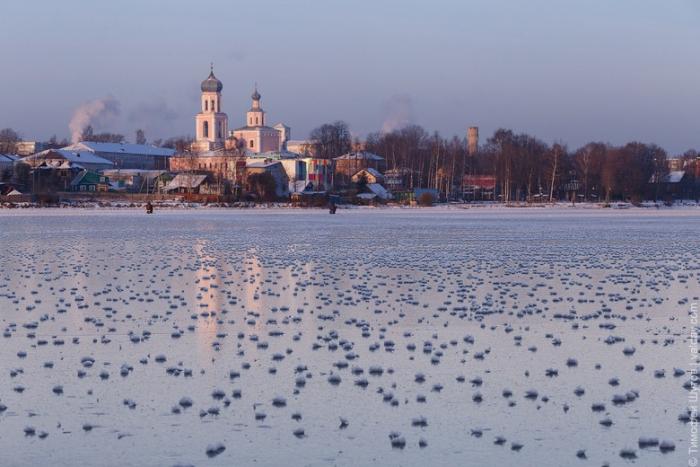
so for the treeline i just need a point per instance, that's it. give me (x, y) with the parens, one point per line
(525, 168)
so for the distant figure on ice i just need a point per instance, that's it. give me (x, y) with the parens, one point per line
(332, 208)
(149, 208)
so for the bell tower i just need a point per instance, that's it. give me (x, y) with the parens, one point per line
(211, 124)
(256, 115)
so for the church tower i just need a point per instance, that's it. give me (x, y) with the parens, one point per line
(256, 115)
(211, 123)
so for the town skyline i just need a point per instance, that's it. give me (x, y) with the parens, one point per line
(398, 83)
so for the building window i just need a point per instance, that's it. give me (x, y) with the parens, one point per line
(206, 105)
(205, 129)
(252, 143)
(256, 120)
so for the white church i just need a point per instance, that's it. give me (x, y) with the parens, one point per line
(212, 131)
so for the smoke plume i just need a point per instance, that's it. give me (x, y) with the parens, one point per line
(398, 112)
(92, 113)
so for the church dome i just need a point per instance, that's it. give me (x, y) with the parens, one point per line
(256, 95)
(211, 84)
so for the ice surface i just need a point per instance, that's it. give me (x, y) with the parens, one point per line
(372, 337)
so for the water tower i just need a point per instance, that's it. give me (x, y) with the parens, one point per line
(473, 140)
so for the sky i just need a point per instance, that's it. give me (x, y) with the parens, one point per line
(569, 71)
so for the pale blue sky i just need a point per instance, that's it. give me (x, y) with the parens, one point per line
(574, 70)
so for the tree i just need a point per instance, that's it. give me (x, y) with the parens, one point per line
(8, 141)
(105, 137)
(555, 154)
(263, 185)
(140, 136)
(331, 140)
(179, 143)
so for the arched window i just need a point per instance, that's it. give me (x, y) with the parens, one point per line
(205, 129)
(256, 120)
(206, 105)
(252, 143)
(212, 105)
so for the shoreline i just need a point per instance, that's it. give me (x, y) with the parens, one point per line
(96, 206)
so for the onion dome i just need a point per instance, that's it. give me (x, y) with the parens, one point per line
(211, 84)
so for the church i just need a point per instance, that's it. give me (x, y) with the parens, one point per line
(211, 125)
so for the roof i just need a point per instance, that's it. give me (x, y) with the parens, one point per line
(281, 125)
(251, 128)
(120, 148)
(277, 155)
(360, 155)
(84, 157)
(153, 173)
(374, 172)
(674, 176)
(185, 181)
(261, 164)
(379, 190)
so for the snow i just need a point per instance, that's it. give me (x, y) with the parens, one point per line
(78, 157)
(120, 148)
(388, 336)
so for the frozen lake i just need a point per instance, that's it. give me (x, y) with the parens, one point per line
(372, 337)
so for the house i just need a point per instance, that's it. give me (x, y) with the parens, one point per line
(126, 155)
(369, 175)
(193, 184)
(133, 180)
(27, 148)
(349, 164)
(276, 170)
(224, 165)
(677, 184)
(479, 187)
(88, 181)
(54, 175)
(7, 164)
(85, 159)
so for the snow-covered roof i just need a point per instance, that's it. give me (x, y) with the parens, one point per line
(373, 172)
(148, 173)
(360, 155)
(379, 190)
(121, 148)
(84, 157)
(276, 155)
(14, 192)
(261, 165)
(675, 176)
(185, 181)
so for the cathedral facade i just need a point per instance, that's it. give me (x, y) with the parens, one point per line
(211, 125)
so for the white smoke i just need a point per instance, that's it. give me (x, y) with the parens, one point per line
(398, 113)
(92, 113)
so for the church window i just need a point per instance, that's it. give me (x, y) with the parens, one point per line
(256, 120)
(206, 105)
(205, 129)
(252, 143)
